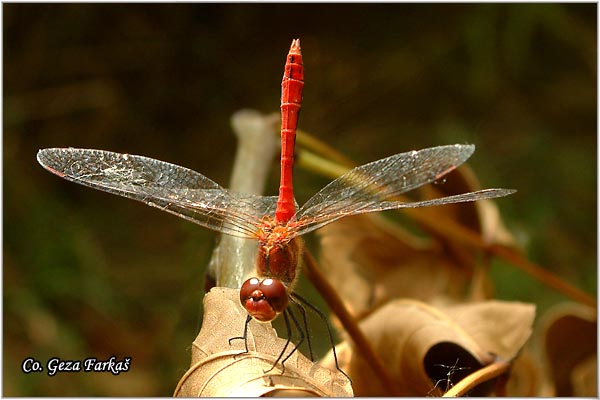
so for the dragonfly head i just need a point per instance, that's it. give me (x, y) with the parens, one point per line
(263, 299)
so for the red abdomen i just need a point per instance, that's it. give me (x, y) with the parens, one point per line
(291, 98)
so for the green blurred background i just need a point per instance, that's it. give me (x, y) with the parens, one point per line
(91, 274)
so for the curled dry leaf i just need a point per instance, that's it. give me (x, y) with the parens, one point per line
(499, 327)
(219, 369)
(570, 343)
(370, 260)
(428, 349)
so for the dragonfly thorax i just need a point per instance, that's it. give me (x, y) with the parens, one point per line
(272, 232)
(278, 256)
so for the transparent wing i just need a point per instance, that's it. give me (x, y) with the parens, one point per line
(372, 186)
(171, 188)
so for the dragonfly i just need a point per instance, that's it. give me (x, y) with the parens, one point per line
(275, 222)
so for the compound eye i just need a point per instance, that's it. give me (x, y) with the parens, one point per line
(247, 288)
(275, 293)
(263, 299)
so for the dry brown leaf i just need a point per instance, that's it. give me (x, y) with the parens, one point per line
(219, 369)
(370, 260)
(570, 342)
(428, 349)
(500, 327)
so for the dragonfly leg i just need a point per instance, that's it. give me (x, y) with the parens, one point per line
(300, 333)
(305, 323)
(299, 298)
(245, 335)
(289, 339)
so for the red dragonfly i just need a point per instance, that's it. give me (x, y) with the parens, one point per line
(273, 221)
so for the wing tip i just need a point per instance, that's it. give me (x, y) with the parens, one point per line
(469, 147)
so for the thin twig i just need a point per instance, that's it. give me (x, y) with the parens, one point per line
(313, 273)
(458, 233)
